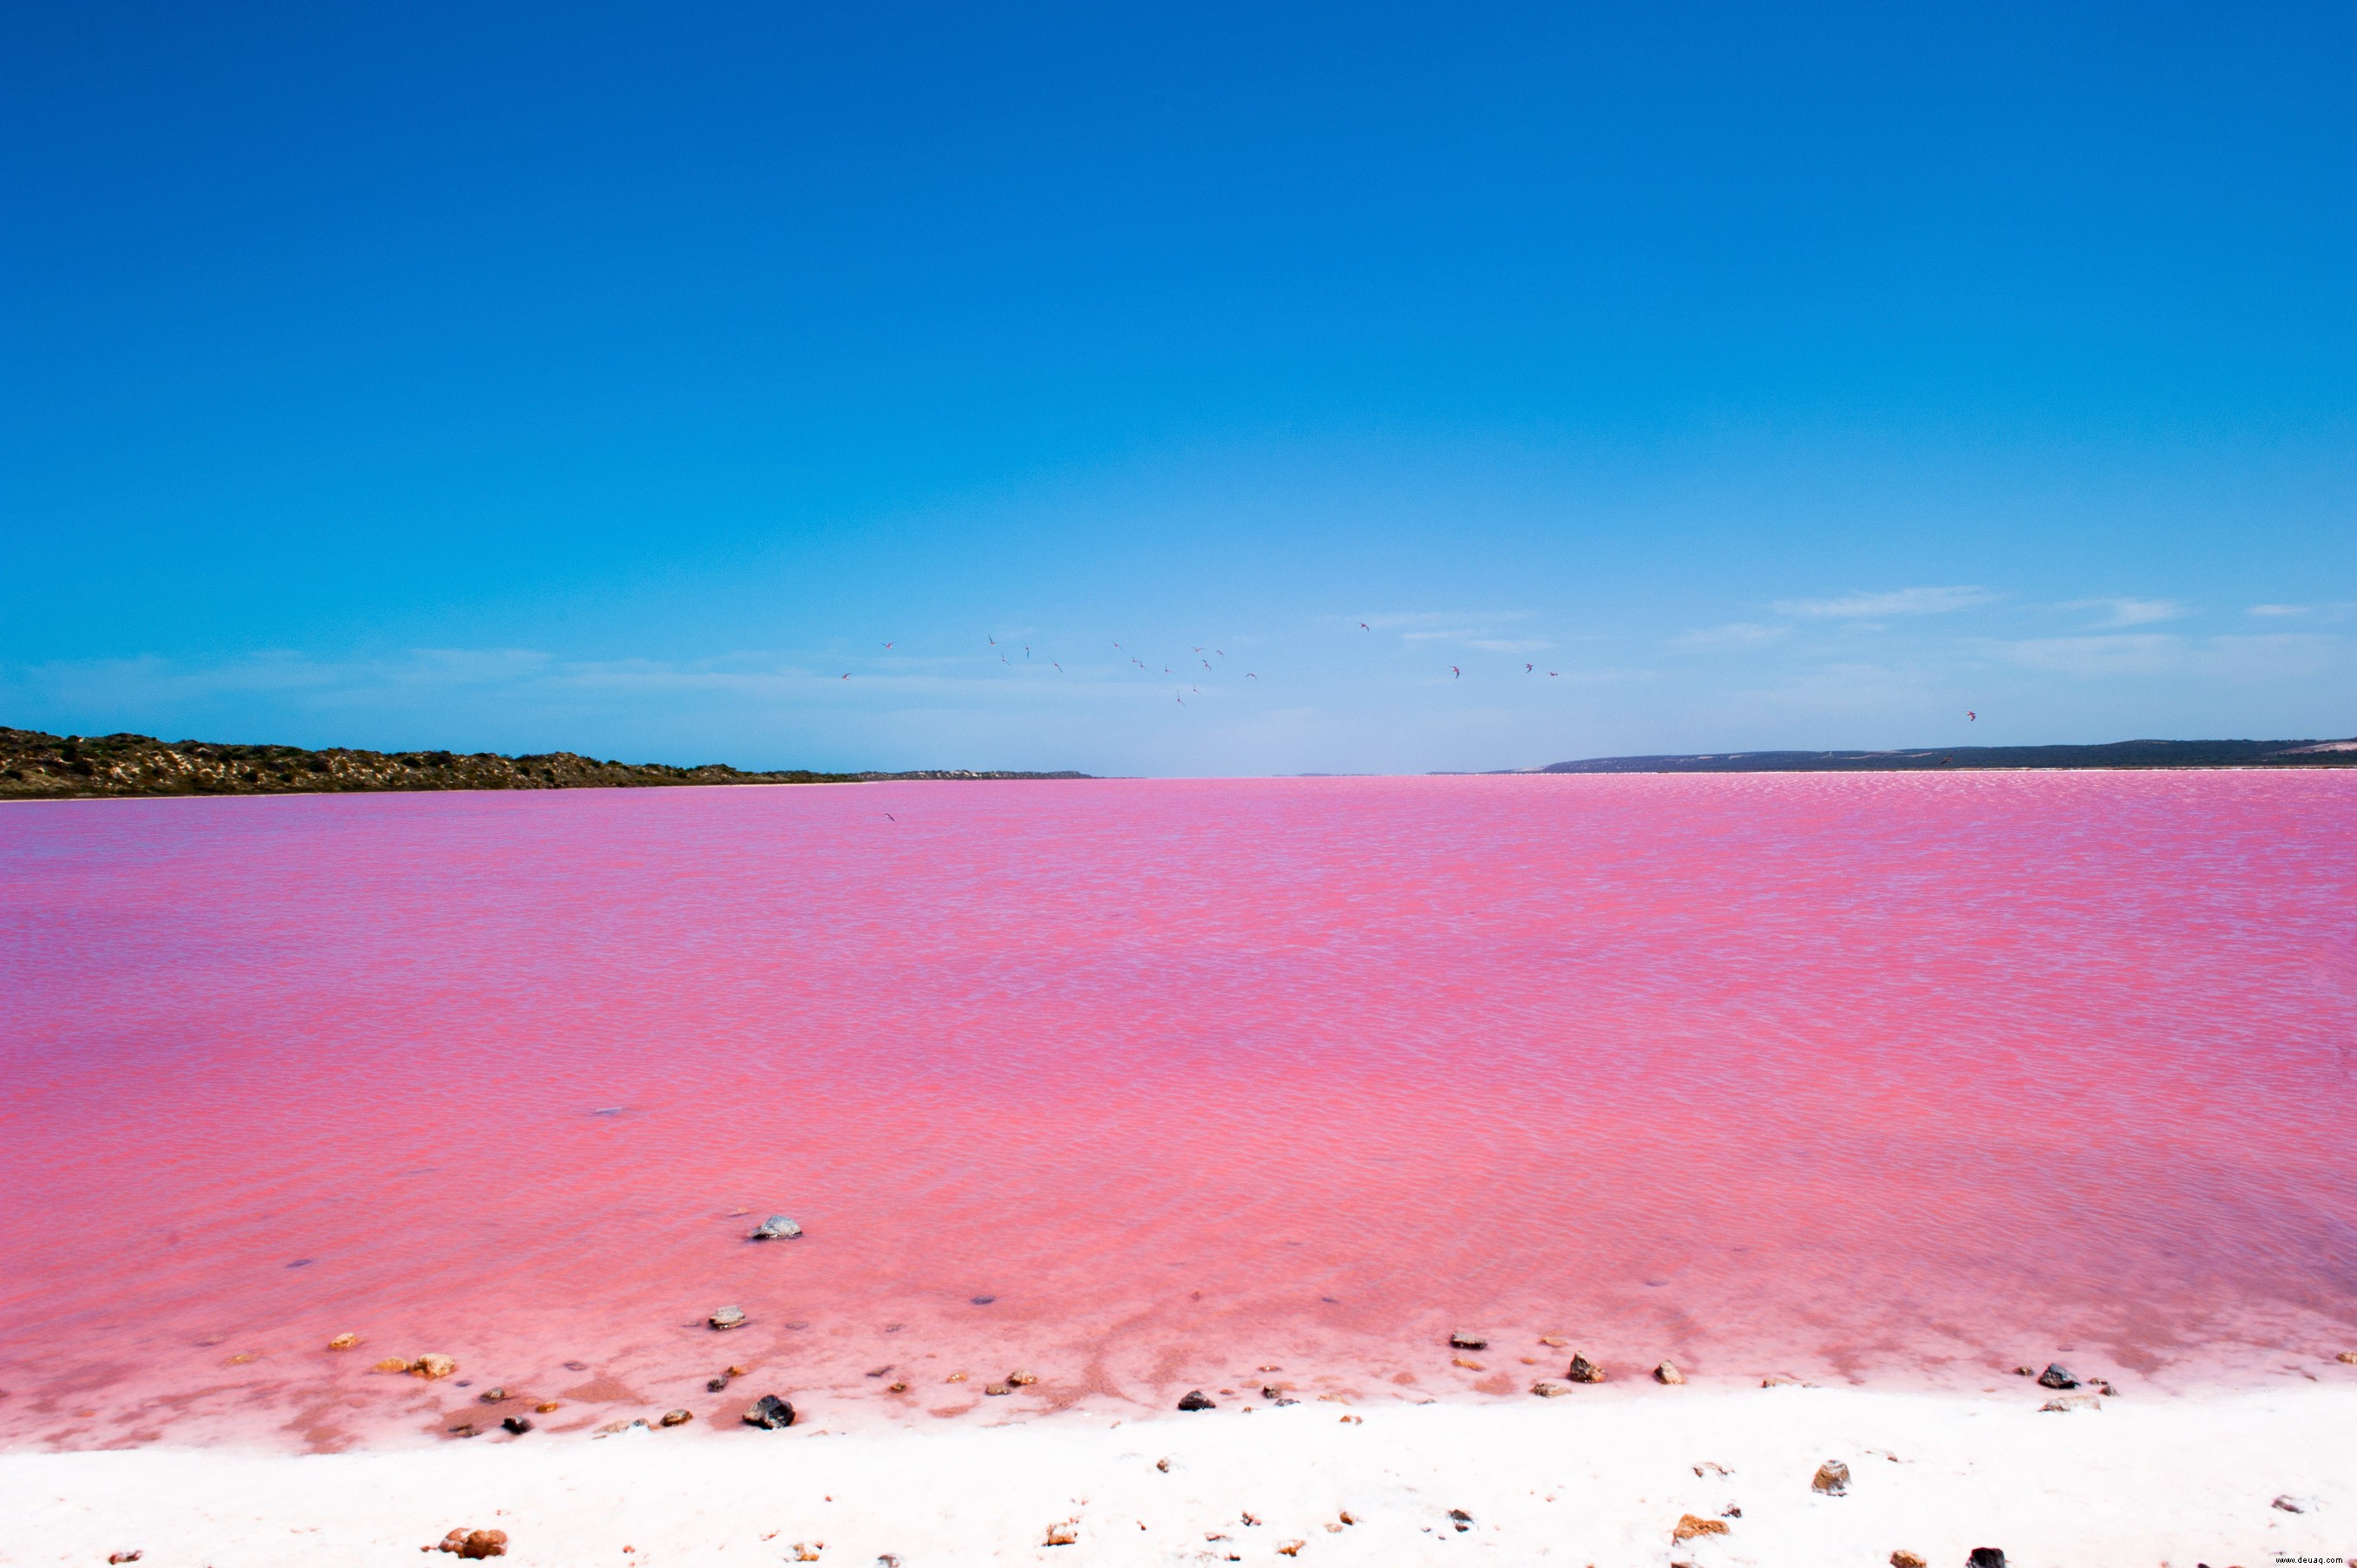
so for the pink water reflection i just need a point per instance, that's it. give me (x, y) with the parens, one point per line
(1887, 1077)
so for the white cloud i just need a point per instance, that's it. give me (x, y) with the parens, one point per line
(1736, 634)
(2274, 655)
(2129, 612)
(1898, 602)
(2278, 609)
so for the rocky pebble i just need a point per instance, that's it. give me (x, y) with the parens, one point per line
(1984, 1557)
(1461, 1340)
(432, 1367)
(1197, 1400)
(1667, 1372)
(1583, 1370)
(2073, 1401)
(2348, 1356)
(1548, 1388)
(1832, 1479)
(1902, 1558)
(677, 1417)
(343, 1341)
(464, 1542)
(2056, 1376)
(770, 1413)
(776, 1228)
(727, 1317)
(517, 1425)
(1691, 1525)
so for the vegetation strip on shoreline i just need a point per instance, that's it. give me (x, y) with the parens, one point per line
(37, 766)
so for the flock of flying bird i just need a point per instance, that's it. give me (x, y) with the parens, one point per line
(1455, 672)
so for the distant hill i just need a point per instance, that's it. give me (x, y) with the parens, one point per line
(2117, 754)
(34, 765)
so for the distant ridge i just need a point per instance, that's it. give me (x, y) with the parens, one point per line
(34, 766)
(1950, 759)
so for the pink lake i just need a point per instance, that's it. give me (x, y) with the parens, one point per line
(1899, 1079)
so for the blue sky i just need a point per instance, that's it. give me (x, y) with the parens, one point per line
(622, 378)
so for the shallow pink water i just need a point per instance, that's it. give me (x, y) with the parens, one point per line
(1897, 1078)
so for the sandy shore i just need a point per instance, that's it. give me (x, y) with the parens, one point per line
(1598, 1478)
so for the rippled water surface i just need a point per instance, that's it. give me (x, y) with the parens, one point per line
(1886, 1076)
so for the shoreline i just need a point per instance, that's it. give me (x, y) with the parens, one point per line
(1605, 1481)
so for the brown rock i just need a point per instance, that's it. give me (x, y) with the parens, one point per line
(493, 1396)
(1832, 1479)
(2073, 1401)
(1667, 1372)
(343, 1341)
(432, 1367)
(241, 1358)
(727, 1317)
(678, 1417)
(896, 1388)
(1465, 1361)
(1291, 1548)
(1905, 1558)
(996, 1389)
(548, 1407)
(124, 1557)
(1461, 1340)
(2348, 1356)
(1690, 1525)
(1062, 1534)
(392, 1364)
(464, 1542)
(1547, 1389)
(1584, 1370)
(1021, 1379)
(1554, 1340)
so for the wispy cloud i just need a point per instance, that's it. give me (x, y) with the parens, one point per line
(1735, 634)
(1897, 602)
(2278, 609)
(2129, 612)
(2276, 654)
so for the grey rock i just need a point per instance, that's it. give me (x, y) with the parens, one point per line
(770, 1413)
(1986, 1557)
(517, 1425)
(1463, 1340)
(727, 1317)
(2056, 1376)
(1197, 1400)
(776, 1228)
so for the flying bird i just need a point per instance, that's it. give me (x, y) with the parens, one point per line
(846, 674)
(887, 646)
(1364, 627)
(1971, 718)
(1528, 670)
(1454, 673)
(1249, 676)
(1060, 669)
(1554, 671)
